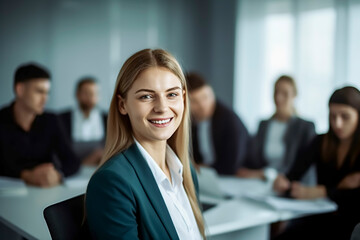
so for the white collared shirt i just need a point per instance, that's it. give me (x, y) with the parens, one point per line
(275, 145)
(174, 194)
(87, 129)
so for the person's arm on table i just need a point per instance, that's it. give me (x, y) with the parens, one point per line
(348, 185)
(347, 192)
(299, 191)
(43, 175)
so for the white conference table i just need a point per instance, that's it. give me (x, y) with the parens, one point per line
(239, 217)
(23, 213)
(244, 218)
(234, 218)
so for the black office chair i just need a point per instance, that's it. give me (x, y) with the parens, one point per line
(65, 219)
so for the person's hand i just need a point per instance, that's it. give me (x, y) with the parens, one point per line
(281, 184)
(250, 173)
(300, 191)
(94, 157)
(351, 181)
(43, 175)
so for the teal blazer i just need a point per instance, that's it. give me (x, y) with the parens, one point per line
(123, 200)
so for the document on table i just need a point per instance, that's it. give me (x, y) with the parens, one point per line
(12, 187)
(300, 206)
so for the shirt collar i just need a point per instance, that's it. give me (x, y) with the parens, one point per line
(79, 113)
(174, 164)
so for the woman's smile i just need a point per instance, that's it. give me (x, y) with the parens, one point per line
(161, 122)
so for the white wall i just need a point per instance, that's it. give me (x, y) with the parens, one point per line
(73, 38)
(315, 41)
(18, 27)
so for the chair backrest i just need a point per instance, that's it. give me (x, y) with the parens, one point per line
(356, 233)
(65, 219)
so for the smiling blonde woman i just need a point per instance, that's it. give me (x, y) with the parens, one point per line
(145, 187)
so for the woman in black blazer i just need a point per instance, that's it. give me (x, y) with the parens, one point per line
(336, 155)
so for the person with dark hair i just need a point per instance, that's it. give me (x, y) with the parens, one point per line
(219, 136)
(280, 139)
(32, 142)
(86, 123)
(337, 158)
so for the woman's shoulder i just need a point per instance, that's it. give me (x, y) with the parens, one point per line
(302, 121)
(116, 168)
(298, 124)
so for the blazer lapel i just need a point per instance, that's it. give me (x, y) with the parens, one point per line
(150, 187)
(261, 138)
(290, 140)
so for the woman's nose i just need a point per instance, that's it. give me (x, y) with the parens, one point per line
(338, 122)
(160, 104)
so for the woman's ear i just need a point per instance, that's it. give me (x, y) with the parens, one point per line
(121, 105)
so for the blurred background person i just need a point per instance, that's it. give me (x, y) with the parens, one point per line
(219, 136)
(280, 139)
(337, 158)
(33, 145)
(86, 124)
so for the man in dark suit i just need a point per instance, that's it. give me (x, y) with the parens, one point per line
(86, 123)
(33, 145)
(219, 136)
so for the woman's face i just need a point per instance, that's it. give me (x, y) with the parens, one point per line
(284, 96)
(154, 104)
(343, 120)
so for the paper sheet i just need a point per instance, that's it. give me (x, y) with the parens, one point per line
(295, 205)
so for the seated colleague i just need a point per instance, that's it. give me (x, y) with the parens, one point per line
(145, 187)
(280, 139)
(32, 143)
(337, 158)
(86, 123)
(219, 136)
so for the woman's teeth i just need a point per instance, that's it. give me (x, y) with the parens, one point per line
(160, 121)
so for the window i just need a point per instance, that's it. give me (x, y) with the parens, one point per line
(313, 41)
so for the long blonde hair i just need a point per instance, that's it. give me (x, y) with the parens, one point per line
(119, 131)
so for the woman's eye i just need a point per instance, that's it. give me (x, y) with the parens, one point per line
(147, 96)
(345, 116)
(173, 94)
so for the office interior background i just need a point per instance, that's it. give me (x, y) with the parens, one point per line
(239, 46)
